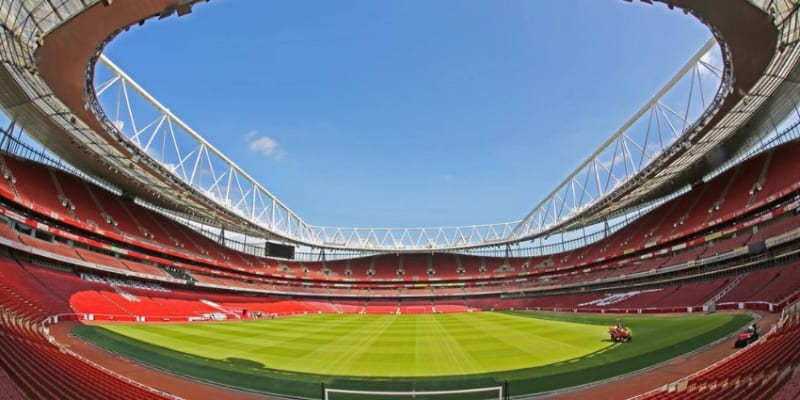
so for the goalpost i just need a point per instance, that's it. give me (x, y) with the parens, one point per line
(493, 392)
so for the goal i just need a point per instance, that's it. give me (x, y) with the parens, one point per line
(485, 393)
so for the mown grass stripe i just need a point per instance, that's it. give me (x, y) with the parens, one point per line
(535, 352)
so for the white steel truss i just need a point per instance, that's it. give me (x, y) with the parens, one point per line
(157, 132)
(164, 137)
(680, 108)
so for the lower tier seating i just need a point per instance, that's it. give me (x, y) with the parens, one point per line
(757, 372)
(38, 369)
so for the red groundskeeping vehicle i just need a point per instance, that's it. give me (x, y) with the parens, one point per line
(619, 333)
(747, 337)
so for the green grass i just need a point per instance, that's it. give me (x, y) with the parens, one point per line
(382, 345)
(534, 351)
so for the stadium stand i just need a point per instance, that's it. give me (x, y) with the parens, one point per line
(44, 371)
(680, 251)
(38, 368)
(73, 249)
(172, 238)
(52, 247)
(8, 390)
(757, 372)
(45, 291)
(767, 285)
(680, 296)
(790, 390)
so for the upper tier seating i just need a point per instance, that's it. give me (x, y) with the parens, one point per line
(759, 178)
(781, 171)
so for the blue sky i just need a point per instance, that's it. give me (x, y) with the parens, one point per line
(409, 113)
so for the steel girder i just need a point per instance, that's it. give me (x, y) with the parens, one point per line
(145, 122)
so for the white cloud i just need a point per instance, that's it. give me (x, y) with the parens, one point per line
(713, 58)
(446, 178)
(264, 145)
(613, 163)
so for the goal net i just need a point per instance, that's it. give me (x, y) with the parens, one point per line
(485, 393)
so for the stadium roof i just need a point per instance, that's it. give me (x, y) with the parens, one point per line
(47, 86)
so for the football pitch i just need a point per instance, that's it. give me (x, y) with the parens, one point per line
(534, 352)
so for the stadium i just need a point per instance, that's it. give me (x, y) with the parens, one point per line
(140, 262)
